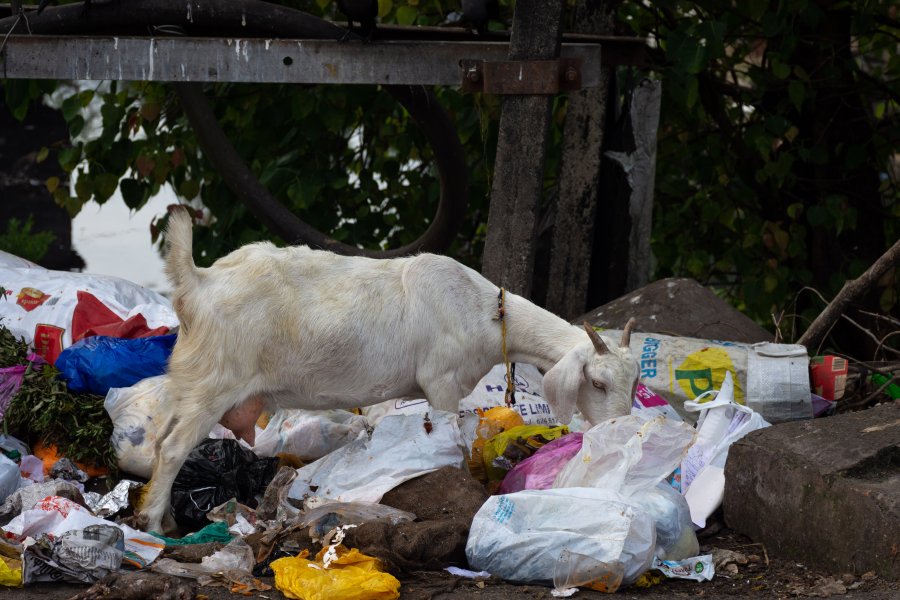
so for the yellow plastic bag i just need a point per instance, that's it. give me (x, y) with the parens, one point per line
(352, 576)
(523, 441)
(492, 422)
(10, 572)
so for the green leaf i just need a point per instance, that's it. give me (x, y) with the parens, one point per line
(76, 125)
(687, 53)
(189, 189)
(406, 15)
(69, 157)
(779, 69)
(105, 185)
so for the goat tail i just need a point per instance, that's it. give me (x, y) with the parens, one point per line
(180, 267)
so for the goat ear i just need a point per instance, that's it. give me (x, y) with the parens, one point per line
(563, 382)
(626, 333)
(599, 344)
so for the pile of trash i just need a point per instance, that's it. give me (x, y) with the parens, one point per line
(327, 502)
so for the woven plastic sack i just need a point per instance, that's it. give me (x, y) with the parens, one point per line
(351, 576)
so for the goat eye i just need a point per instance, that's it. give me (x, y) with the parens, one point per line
(599, 385)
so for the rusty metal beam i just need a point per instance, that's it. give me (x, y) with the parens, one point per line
(258, 60)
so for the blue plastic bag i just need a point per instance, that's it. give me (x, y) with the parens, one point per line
(98, 363)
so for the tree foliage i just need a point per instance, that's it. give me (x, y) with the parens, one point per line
(777, 158)
(776, 166)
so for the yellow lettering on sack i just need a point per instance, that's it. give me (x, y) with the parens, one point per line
(705, 370)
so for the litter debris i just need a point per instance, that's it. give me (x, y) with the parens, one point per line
(53, 309)
(600, 507)
(698, 568)
(308, 434)
(722, 422)
(25, 498)
(65, 469)
(490, 423)
(98, 363)
(84, 555)
(350, 576)
(508, 448)
(214, 472)
(323, 519)
(139, 585)
(113, 501)
(772, 379)
(213, 532)
(398, 450)
(467, 573)
(538, 471)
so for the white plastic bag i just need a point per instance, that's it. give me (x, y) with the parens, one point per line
(631, 456)
(523, 536)
(9, 477)
(135, 414)
(41, 303)
(721, 423)
(308, 434)
(627, 454)
(400, 448)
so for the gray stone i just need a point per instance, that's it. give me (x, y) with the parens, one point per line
(825, 492)
(680, 307)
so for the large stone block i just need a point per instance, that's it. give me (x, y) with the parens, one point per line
(824, 492)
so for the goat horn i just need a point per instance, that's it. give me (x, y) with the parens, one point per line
(626, 333)
(599, 344)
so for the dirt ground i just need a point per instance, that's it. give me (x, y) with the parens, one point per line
(763, 576)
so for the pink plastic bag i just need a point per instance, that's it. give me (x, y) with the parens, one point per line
(11, 380)
(538, 471)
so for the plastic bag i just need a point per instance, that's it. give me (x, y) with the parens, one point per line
(352, 576)
(538, 471)
(323, 519)
(490, 423)
(510, 447)
(215, 472)
(53, 309)
(9, 477)
(10, 576)
(627, 454)
(675, 537)
(308, 434)
(722, 422)
(98, 363)
(575, 570)
(82, 555)
(400, 448)
(521, 536)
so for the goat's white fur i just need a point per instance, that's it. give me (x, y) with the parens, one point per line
(310, 329)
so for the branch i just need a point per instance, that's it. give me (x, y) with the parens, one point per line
(851, 291)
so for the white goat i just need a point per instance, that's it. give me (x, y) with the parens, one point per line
(310, 329)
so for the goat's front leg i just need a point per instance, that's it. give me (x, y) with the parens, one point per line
(183, 432)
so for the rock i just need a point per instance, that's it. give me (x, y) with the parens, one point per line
(444, 502)
(825, 491)
(679, 307)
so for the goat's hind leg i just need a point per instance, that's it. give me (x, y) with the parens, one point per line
(184, 430)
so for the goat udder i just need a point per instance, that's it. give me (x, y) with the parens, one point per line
(241, 419)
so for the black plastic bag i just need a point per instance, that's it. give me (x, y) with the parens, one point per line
(214, 472)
